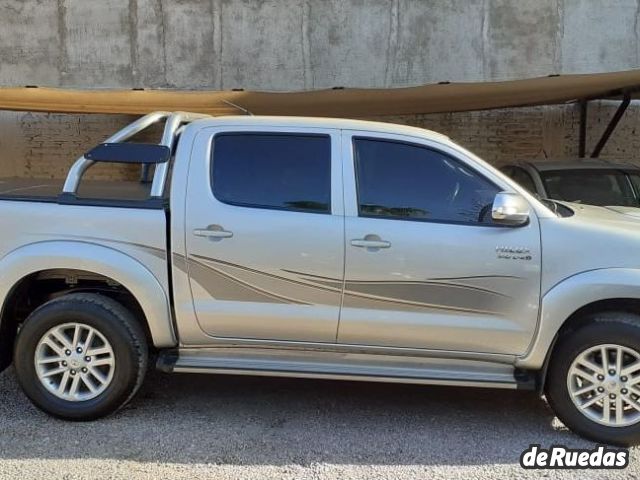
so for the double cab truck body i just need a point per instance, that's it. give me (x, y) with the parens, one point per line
(317, 248)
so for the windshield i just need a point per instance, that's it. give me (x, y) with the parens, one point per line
(593, 186)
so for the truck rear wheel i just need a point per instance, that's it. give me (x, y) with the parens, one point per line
(594, 378)
(81, 356)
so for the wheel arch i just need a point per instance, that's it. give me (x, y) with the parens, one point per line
(564, 306)
(22, 264)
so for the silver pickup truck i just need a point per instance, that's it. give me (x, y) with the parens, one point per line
(316, 248)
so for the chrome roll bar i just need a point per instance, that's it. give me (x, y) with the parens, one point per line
(172, 124)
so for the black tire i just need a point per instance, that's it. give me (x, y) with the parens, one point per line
(619, 328)
(117, 324)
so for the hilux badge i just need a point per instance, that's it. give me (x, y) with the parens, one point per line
(513, 253)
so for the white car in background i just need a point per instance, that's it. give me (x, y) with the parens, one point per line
(591, 182)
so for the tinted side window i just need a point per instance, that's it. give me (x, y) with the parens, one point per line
(400, 180)
(279, 171)
(524, 179)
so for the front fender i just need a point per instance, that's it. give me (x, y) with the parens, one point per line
(571, 294)
(106, 261)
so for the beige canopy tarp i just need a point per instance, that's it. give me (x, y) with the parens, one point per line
(347, 102)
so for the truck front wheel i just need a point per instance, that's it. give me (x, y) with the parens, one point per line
(81, 356)
(594, 378)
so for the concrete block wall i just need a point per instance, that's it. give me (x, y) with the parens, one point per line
(547, 132)
(304, 44)
(45, 145)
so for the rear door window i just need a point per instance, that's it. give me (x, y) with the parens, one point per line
(276, 171)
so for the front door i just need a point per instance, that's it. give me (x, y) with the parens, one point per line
(265, 234)
(425, 266)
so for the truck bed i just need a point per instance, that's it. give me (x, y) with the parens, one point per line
(48, 190)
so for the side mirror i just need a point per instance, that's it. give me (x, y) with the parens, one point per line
(510, 209)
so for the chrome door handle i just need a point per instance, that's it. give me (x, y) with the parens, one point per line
(366, 243)
(212, 231)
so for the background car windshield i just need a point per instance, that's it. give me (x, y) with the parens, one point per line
(593, 187)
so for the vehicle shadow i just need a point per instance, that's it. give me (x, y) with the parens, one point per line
(273, 421)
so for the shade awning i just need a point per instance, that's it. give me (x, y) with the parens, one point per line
(336, 102)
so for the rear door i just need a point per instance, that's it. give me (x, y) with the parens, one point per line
(265, 234)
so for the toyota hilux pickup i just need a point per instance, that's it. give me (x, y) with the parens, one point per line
(316, 248)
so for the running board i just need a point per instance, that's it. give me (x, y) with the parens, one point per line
(341, 366)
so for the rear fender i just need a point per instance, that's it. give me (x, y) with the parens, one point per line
(99, 259)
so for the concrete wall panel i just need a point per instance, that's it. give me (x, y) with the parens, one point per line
(349, 42)
(261, 36)
(188, 43)
(95, 42)
(149, 67)
(294, 44)
(29, 43)
(520, 39)
(428, 51)
(599, 36)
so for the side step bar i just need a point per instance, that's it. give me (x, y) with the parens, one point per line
(340, 366)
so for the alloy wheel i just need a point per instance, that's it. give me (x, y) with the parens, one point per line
(74, 362)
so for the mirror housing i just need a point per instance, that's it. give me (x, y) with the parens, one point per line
(510, 209)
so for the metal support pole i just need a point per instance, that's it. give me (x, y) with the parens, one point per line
(612, 125)
(582, 138)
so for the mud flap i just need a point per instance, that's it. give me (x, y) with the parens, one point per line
(6, 347)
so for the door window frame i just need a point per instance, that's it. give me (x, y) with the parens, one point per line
(268, 133)
(351, 201)
(207, 136)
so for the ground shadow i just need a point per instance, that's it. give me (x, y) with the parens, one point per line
(273, 421)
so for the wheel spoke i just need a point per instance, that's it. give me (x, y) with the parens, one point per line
(63, 383)
(593, 400)
(632, 402)
(605, 358)
(73, 389)
(53, 346)
(584, 390)
(46, 360)
(584, 362)
(76, 336)
(60, 337)
(102, 362)
(619, 410)
(606, 409)
(88, 340)
(634, 367)
(97, 374)
(587, 376)
(89, 383)
(98, 351)
(54, 371)
(619, 355)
